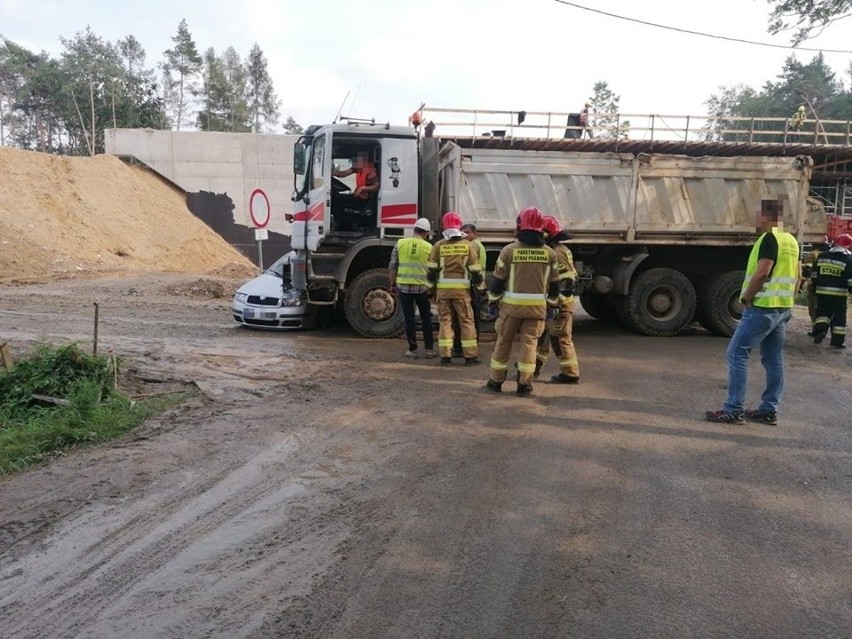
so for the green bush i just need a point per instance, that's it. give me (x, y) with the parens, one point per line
(31, 431)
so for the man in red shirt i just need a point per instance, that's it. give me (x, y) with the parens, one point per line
(366, 176)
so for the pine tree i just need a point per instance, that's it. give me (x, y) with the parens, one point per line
(263, 103)
(604, 110)
(180, 72)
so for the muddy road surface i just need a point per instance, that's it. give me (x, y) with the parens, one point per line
(322, 486)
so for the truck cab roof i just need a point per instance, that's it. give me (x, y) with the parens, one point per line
(365, 128)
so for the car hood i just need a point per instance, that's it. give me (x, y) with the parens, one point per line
(264, 285)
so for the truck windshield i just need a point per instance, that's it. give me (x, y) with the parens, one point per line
(301, 162)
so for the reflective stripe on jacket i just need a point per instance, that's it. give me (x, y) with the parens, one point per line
(413, 255)
(779, 290)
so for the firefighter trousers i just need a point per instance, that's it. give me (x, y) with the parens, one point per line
(507, 327)
(460, 308)
(557, 334)
(831, 314)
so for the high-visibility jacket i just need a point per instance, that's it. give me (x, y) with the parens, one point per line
(567, 272)
(413, 254)
(451, 264)
(526, 279)
(832, 274)
(779, 291)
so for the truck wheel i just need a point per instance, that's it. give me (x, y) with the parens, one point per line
(371, 309)
(600, 307)
(661, 302)
(719, 308)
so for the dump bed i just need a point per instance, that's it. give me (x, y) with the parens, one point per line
(622, 197)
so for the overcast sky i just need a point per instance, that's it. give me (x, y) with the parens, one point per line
(486, 54)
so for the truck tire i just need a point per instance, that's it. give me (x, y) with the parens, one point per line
(661, 302)
(371, 309)
(600, 307)
(719, 308)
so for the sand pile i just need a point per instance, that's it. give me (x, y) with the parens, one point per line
(66, 217)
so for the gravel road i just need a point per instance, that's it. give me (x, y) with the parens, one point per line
(322, 486)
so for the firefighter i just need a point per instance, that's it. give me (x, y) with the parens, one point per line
(795, 123)
(558, 330)
(524, 283)
(453, 267)
(476, 291)
(807, 266)
(831, 277)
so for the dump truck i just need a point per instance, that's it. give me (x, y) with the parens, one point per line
(660, 239)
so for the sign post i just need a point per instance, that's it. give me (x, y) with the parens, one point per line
(260, 213)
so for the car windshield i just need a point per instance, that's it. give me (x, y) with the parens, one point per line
(281, 268)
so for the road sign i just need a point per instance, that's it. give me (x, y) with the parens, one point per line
(261, 234)
(259, 209)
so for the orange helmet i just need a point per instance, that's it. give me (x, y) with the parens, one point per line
(551, 226)
(843, 241)
(451, 220)
(531, 219)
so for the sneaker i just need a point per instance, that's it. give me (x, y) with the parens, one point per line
(724, 417)
(494, 387)
(431, 353)
(472, 361)
(768, 417)
(524, 389)
(446, 361)
(564, 379)
(411, 353)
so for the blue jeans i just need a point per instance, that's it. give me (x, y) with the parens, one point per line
(767, 327)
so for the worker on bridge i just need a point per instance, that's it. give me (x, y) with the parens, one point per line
(831, 277)
(558, 330)
(453, 267)
(525, 282)
(798, 118)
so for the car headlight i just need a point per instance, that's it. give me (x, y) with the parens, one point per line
(241, 298)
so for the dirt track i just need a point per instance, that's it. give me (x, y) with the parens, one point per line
(323, 487)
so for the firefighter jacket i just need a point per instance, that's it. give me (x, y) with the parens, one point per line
(832, 274)
(453, 267)
(779, 291)
(525, 281)
(567, 273)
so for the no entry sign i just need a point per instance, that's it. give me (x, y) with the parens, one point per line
(259, 209)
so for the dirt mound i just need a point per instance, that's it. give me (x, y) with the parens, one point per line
(198, 288)
(67, 217)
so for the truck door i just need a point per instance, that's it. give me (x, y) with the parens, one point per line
(318, 214)
(398, 190)
(311, 212)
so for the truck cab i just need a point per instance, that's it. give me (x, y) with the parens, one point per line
(355, 194)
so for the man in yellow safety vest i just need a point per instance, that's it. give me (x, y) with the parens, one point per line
(408, 279)
(768, 293)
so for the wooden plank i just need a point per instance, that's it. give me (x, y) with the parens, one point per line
(6, 356)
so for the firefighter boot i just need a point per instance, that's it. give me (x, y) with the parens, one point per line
(494, 387)
(524, 389)
(538, 364)
(562, 378)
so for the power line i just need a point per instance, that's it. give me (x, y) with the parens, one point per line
(699, 33)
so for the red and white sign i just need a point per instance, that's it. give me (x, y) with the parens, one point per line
(259, 209)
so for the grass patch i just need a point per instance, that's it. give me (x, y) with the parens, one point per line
(93, 411)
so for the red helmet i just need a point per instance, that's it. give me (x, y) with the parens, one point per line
(451, 220)
(531, 219)
(843, 241)
(551, 226)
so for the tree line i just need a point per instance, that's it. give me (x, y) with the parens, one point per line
(62, 104)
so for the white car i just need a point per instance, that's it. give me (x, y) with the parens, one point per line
(270, 301)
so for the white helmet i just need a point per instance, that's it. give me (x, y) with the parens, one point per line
(423, 225)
